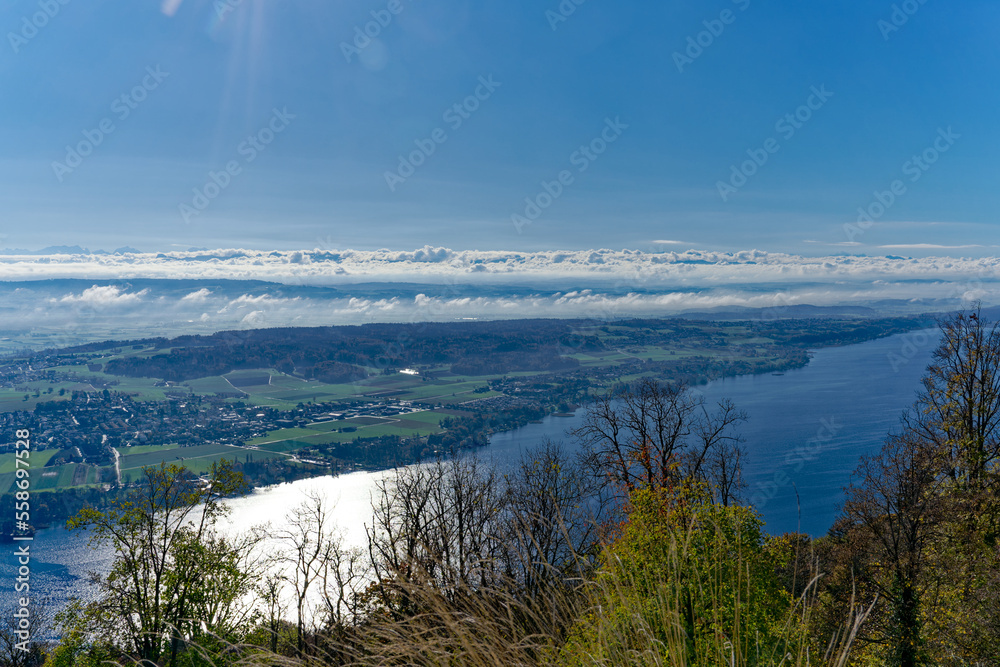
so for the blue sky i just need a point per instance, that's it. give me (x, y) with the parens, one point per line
(553, 86)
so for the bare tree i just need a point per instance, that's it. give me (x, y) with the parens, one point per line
(398, 543)
(438, 524)
(312, 552)
(456, 545)
(555, 513)
(15, 649)
(719, 458)
(347, 572)
(270, 595)
(654, 434)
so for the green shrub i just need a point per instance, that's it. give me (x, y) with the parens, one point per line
(688, 582)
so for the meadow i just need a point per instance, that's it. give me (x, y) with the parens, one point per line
(347, 430)
(198, 459)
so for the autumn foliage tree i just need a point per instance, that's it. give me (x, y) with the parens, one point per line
(920, 525)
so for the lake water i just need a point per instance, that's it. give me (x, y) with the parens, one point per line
(806, 432)
(807, 427)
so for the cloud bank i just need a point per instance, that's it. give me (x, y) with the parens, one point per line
(691, 268)
(144, 294)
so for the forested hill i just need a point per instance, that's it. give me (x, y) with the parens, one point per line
(346, 353)
(339, 354)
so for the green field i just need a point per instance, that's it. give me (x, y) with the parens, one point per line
(40, 476)
(38, 459)
(11, 400)
(141, 389)
(198, 459)
(250, 380)
(332, 425)
(427, 417)
(284, 446)
(210, 385)
(286, 434)
(263, 387)
(366, 421)
(270, 388)
(140, 449)
(285, 392)
(324, 433)
(56, 477)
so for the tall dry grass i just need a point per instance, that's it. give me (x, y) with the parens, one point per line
(597, 621)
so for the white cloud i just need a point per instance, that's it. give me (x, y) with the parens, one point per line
(198, 297)
(104, 295)
(255, 319)
(259, 301)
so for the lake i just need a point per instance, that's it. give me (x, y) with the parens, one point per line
(807, 429)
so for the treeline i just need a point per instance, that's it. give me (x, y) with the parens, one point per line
(859, 332)
(499, 363)
(474, 430)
